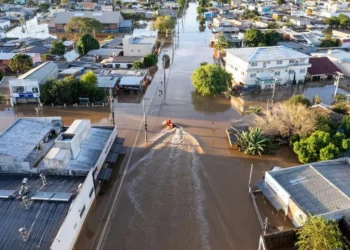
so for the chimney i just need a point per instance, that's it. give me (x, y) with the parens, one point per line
(24, 233)
(25, 200)
(43, 178)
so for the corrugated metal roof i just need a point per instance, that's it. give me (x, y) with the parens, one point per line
(103, 17)
(318, 188)
(41, 72)
(272, 53)
(43, 218)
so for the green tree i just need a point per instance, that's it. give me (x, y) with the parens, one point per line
(137, 65)
(328, 41)
(340, 107)
(329, 152)
(252, 142)
(345, 125)
(57, 48)
(211, 79)
(250, 14)
(273, 26)
(223, 43)
(298, 99)
(64, 2)
(332, 21)
(319, 233)
(164, 24)
(87, 43)
(150, 60)
(254, 38)
(89, 80)
(280, 2)
(344, 21)
(339, 98)
(272, 37)
(20, 63)
(44, 7)
(83, 25)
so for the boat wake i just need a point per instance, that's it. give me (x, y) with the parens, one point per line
(166, 191)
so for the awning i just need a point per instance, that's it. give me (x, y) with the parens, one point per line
(270, 195)
(105, 174)
(112, 157)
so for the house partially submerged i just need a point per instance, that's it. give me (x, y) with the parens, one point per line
(321, 68)
(319, 188)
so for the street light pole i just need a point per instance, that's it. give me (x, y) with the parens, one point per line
(144, 117)
(339, 75)
(110, 99)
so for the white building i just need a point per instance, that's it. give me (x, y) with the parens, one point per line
(73, 162)
(4, 24)
(25, 89)
(319, 188)
(265, 65)
(139, 46)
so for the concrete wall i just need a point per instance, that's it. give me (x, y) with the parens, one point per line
(71, 226)
(140, 49)
(277, 188)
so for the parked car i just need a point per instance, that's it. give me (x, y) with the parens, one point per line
(240, 90)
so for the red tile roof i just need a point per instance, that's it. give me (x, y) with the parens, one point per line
(322, 65)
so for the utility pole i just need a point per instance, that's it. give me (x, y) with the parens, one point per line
(110, 99)
(144, 117)
(250, 178)
(164, 87)
(339, 75)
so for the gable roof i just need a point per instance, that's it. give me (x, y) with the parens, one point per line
(272, 53)
(322, 65)
(102, 17)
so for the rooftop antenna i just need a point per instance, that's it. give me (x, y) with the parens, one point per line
(25, 200)
(24, 233)
(43, 178)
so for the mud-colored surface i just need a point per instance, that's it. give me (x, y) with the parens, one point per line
(183, 189)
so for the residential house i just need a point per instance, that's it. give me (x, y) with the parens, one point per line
(110, 21)
(321, 68)
(120, 62)
(265, 66)
(343, 38)
(299, 21)
(168, 12)
(340, 58)
(6, 57)
(319, 188)
(139, 46)
(19, 2)
(25, 89)
(4, 24)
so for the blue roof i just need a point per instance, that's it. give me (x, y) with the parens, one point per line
(125, 24)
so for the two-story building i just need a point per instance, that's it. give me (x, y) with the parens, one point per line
(110, 21)
(139, 46)
(299, 21)
(265, 66)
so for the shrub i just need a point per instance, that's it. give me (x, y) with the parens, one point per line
(299, 99)
(339, 98)
(340, 107)
(252, 142)
(254, 109)
(137, 65)
(150, 60)
(316, 100)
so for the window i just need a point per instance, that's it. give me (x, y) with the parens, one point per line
(91, 192)
(242, 73)
(268, 62)
(291, 61)
(236, 68)
(82, 211)
(302, 71)
(277, 73)
(279, 62)
(254, 64)
(253, 75)
(264, 65)
(35, 90)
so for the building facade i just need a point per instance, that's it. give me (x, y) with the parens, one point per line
(265, 66)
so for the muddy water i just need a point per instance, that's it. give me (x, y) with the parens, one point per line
(166, 192)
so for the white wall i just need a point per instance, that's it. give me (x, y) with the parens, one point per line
(28, 84)
(71, 226)
(5, 25)
(138, 49)
(277, 188)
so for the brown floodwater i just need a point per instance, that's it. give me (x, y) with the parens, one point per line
(183, 189)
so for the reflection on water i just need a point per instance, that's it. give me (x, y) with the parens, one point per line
(167, 195)
(209, 104)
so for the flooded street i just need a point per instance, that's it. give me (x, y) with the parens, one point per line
(184, 188)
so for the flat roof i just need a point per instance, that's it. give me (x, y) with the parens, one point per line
(107, 81)
(131, 81)
(43, 218)
(318, 187)
(71, 70)
(25, 134)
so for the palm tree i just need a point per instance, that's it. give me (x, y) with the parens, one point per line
(221, 44)
(252, 142)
